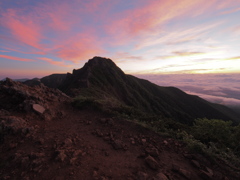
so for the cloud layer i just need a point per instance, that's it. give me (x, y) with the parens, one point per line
(218, 88)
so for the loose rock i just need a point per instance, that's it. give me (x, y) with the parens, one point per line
(152, 151)
(38, 108)
(151, 162)
(142, 175)
(67, 142)
(60, 155)
(196, 163)
(117, 144)
(160, 176)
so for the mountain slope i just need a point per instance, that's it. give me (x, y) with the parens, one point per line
(62, 142)
(101, 79)
(54, 80)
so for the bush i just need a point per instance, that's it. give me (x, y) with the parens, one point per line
(107, 104)
(85, 102)
(213, 130)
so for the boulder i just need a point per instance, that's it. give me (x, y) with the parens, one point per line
(38, 108)
(182, 171)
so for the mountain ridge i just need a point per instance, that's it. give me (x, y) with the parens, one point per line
(100, 78)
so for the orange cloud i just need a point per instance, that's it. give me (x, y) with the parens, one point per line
(182, 53)
(15, 58)
(233, 58)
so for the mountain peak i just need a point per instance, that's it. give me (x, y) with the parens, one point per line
(100, 61)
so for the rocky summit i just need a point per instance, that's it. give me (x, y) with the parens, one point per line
(43, 135)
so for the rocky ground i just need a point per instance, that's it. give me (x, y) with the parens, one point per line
(43, 137)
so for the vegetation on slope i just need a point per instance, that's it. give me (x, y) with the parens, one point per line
(100, 80)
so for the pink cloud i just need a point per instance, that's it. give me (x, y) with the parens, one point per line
(231, 11)
(60, 18)
(15, 58)
(57, 63)
(4, 51)
(152, 16)
(174, 37)
(53, 27)
(236, 30)
(33, 27)
(23, 28)
(125, 56)
(25, 52)
(81, 47)
(29, 27)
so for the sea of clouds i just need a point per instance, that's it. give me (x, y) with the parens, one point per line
(217, 88)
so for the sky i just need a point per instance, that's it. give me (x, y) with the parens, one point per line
(41, 37)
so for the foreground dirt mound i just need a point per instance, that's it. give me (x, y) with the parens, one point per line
(43, 137)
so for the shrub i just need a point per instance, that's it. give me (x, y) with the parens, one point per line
(85, 102)
(213, 130)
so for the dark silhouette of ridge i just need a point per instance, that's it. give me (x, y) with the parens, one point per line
(101, 79)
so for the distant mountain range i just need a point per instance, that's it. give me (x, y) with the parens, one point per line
(18, 80)
(101, 80)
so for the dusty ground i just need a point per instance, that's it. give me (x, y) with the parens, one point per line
(66, 143)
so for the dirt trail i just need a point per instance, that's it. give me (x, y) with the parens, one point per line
(90, 145)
